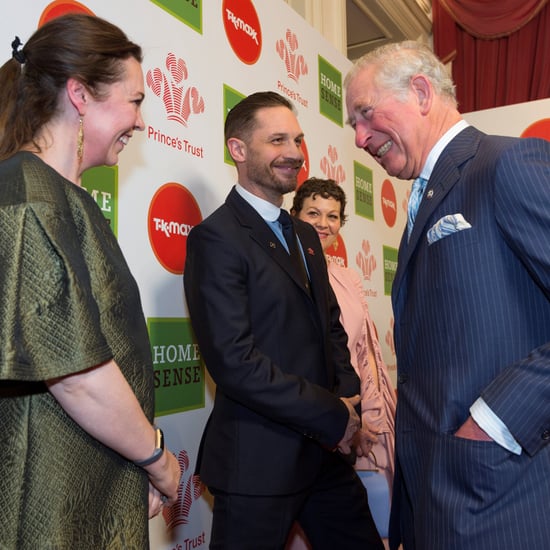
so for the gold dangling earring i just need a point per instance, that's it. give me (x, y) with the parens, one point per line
(80, 141)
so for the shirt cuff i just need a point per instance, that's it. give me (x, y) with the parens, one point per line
(490, 423)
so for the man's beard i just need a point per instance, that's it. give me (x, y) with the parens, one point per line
(264, 176)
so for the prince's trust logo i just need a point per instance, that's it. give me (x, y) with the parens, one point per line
(179, 103)
(295, 65)
(294, 62)
(366, 261)
(330, 168)
(189, 491)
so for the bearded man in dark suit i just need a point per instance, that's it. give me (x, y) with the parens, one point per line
(267, 324)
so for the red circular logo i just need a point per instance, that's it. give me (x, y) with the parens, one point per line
(337, 253)
(172, 214)
(62, 7)
(303, 174)
(389, 203)
(539, 129)
(242, 28)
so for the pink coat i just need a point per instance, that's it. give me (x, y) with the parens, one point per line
(377, 403)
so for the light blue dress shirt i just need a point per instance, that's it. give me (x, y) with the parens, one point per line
(268, 211)
(270, 214)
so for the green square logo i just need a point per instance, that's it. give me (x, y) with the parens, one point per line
(187, 11)
(230, 98)
(390, 267)
(177, 364)
(330, 92)
(364, 196)
(102, 183)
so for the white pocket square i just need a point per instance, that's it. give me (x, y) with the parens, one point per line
(447, 225)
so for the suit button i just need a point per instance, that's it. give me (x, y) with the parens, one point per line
(402, 378)
(546, 435)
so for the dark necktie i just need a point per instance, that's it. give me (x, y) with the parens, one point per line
(293, 250)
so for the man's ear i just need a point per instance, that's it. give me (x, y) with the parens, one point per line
(78, 95)
(424, 92)
(237, 149)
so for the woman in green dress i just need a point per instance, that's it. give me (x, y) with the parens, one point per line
(81, 465)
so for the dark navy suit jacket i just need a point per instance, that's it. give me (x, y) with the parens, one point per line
(278, 357)
(472, 318)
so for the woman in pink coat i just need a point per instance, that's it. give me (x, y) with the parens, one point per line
(322, 203)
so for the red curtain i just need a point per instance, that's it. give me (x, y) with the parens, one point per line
(500, 50)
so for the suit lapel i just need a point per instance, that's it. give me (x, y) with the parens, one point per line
(260, 232)
(445, 175)
(262, 235)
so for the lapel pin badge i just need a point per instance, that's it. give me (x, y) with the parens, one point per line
(430, 193)
(310, 251)
(272, 244)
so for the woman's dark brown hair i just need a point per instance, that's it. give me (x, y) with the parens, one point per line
(78, 46)
(325, 188)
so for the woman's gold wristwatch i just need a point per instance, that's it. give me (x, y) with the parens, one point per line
(157, 453)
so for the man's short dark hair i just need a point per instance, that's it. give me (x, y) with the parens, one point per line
(241, 119)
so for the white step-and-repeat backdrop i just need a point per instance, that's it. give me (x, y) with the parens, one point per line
(201, 57)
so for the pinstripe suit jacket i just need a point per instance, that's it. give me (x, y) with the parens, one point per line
(472, 318)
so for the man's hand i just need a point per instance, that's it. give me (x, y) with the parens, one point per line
(470, 430)
(363, 441)
(354, 422)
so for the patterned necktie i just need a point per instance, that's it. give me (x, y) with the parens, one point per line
(417, 190)
(293, 250)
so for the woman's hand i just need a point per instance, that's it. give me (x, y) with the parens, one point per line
(164, 475)
(155, 501)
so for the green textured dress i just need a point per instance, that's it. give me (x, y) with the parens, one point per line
(68, 302)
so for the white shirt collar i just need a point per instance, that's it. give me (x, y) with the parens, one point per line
(437, 149)
(268, 211)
